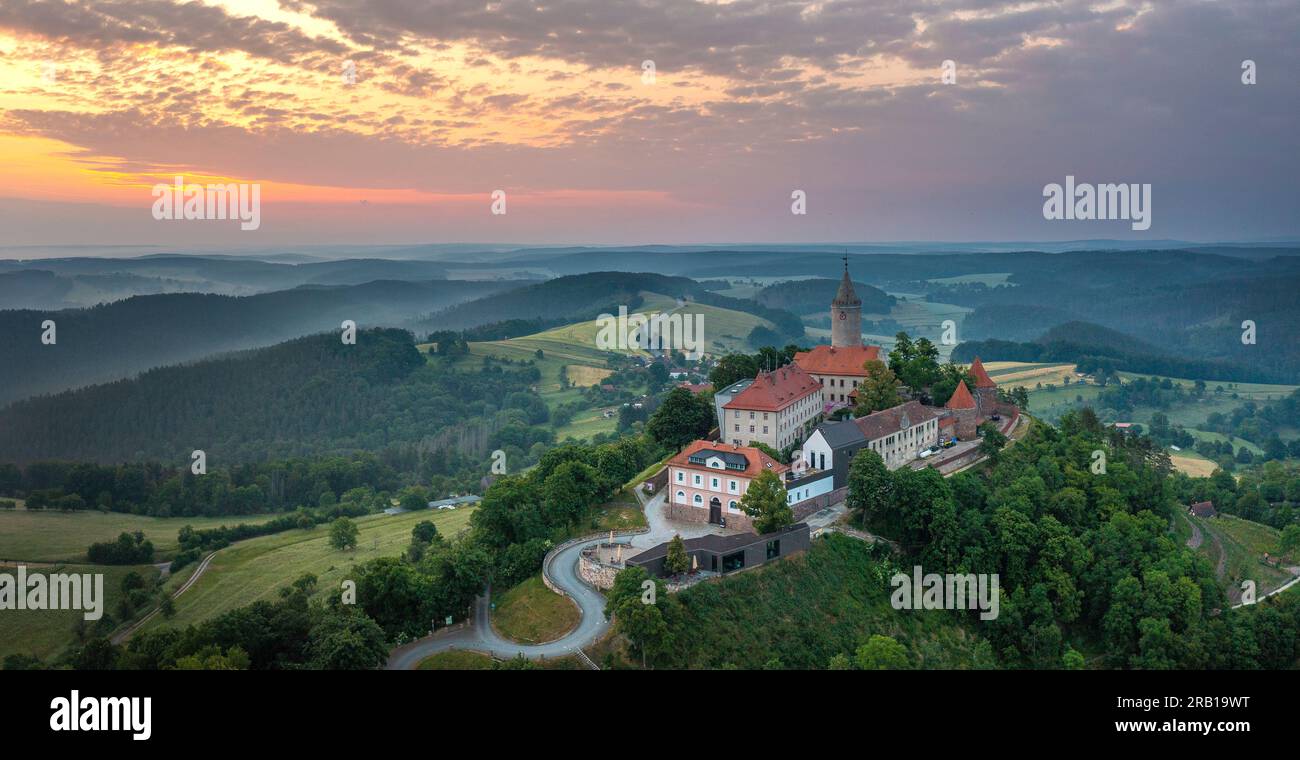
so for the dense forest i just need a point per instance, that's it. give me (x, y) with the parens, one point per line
(117, 340)
(313, 395)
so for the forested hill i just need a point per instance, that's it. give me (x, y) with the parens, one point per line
(575, 298)
(1095, 348)
(308, 396)
(814, 296)
(118, 340)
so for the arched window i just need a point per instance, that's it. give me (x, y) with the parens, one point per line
(731, 504)
(699, 499)
(681, 497)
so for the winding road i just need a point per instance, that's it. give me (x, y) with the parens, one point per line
(562, 571)
(481, 637)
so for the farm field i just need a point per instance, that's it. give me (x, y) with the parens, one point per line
(54, 536)
(530, 613)
(1192, 464)
(45, 634)
(991, 279)
(1029, 374)
(1243, 545)
(257, 568)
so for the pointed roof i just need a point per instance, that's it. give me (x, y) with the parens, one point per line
(846, 296)
(982, 379)
(961, 398)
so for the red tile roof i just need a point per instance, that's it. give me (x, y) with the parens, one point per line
(982, 379)
(961, 398)
(755, 459)
(695, 387)
(1204, 509)
(775, 390)
(845, 360)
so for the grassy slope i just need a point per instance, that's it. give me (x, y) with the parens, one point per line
(51, 536)
(1244, 543)
(804, 610)
(530, 613)
(46, 633)
(456, 659)
(255, 569)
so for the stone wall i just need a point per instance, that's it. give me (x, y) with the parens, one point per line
(802, 510)
(594, 571)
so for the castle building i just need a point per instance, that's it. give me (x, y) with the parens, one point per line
(898, 435)
(986, 391)
(839, 367)
(776, 409)
(846, 314)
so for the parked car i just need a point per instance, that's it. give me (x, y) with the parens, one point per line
(929, 452)
(948, 444)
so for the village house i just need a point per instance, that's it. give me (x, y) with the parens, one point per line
(776, 409)
(1203, 509)
(707, 479)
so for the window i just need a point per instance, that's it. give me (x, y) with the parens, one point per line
(681, 477)
(731, 486)
(715, 484)
(765, 430)
(698, 480)
(774, 548)
(732, 505)
(681, 497)
(699, 499)
(733, 561)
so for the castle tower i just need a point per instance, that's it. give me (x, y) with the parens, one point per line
(846, 314)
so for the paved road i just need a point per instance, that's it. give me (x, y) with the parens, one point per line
(481, 637)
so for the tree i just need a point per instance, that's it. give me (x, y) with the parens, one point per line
(871, 488)
(881, 653)
(424, 532)
(766, 503)
(993, 440)
(879, 390)
(731, 368)
(681, 418)
(343, 638)
(677, 562)
(343, 534)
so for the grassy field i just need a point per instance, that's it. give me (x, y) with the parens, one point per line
(623, 512)
(50, 536)
(257, 568)
(1244, 544)
(530, 613)
(47, 633)
(456, 659)
(583, 376)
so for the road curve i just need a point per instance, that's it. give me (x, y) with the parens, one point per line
(480, 637)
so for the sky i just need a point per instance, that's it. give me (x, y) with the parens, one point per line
(658, 121)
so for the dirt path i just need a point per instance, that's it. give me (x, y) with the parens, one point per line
(126, 633)
(1195, 541)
